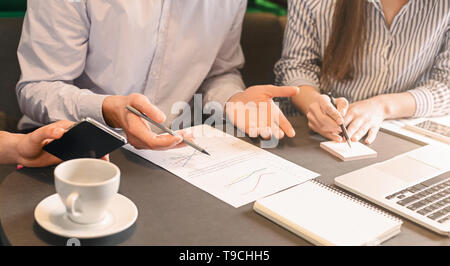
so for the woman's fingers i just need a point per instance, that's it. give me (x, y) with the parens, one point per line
(50, 132)
(348, 118)
(361, 132)
(354, 126)
(328, 109)
(39, 136)
(333, 136)
(342, 106)
(372, 135)
(325, 122)
(106, 158)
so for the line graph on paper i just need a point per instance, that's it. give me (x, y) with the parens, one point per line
(183, 159)
(237, 172)
(255, 176)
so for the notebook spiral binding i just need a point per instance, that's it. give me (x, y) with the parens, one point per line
(356, 200)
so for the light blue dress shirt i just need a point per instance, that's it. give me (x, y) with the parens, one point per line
(73, 54)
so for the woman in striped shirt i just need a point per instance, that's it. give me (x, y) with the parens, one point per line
(389, 58)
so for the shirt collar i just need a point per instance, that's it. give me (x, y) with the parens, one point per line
(377, 4)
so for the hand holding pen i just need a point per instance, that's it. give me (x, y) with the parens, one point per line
(138, 133)
(326, 118)
(165, 129)
(343, 128)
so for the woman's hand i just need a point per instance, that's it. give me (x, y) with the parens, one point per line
(28, 148)
(325, 119)
(365, 117)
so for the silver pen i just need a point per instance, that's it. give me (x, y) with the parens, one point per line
(165, 129)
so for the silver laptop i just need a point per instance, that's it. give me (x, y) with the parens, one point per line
(415, 185)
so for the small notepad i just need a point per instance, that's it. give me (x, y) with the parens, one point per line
(326, 216)
(341, 150)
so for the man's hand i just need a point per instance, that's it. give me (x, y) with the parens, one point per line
(254, 111)
(137, 130)
(325, 119)
(28, 148)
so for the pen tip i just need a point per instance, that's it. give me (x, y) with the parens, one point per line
(205, 152)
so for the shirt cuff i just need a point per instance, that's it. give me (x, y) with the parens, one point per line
(91, 105)
(222, 90)
(424, 101)
(303, 82)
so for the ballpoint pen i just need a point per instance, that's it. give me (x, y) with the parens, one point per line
(344, 130)
(165, 129)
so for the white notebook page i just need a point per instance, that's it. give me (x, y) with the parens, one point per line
(325, 217)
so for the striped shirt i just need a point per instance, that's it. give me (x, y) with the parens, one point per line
(412, 55)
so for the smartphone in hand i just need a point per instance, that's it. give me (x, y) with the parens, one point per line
(85, 139)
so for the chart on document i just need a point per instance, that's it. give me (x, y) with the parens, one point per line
(237, 172)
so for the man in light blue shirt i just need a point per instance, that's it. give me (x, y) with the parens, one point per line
(83, 58)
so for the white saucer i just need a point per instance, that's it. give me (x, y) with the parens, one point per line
(51, 215)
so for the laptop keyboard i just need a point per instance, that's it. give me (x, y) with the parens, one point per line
(430, 198)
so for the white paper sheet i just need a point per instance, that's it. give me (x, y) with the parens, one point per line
(237, 172)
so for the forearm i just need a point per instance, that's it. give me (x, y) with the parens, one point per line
(52, 53)
(397, 105)
(47, 102)
(432, 97)
(8, 147)
(306, 96)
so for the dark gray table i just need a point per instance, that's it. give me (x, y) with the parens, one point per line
(173, 212)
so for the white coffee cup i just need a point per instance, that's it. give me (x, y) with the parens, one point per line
(86, 187)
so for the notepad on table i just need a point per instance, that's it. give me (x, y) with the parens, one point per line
(326, 216)
(341, 150)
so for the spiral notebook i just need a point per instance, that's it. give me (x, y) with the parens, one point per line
(326, 216)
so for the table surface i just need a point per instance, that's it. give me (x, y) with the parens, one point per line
(173, 212)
